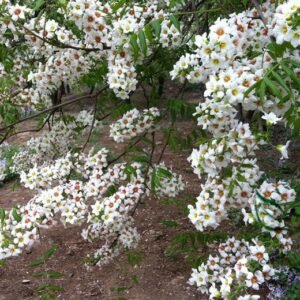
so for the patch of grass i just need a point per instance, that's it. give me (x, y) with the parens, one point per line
(134, 258)
(2, 263)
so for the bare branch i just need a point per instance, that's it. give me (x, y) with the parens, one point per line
(63, 45)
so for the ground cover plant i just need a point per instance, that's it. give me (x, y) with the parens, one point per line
(242, 61)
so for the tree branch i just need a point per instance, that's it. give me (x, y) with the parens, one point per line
(63, 45)
(55, 107)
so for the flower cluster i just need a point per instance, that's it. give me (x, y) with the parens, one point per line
(231, 176)
(43, 176)
(268, 206)
(220, 153)
(282, 28)
(237, 263)
(107, 216)
(51, 144)
(111, 215)
(103, 198)
(32, 98)
(57, 53)
(133, 123)
(20, 225)
(218, 195)
(170, 183)
(225, 54)
(170, 35)
(122, 74)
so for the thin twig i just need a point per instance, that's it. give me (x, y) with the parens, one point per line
(127, 150)
(36, 129)
(94, 120)
(164, 147)
(262, 17)
(92, 125)
(146, 172)
(63, 45)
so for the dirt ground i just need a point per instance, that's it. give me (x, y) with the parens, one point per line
(156, 277)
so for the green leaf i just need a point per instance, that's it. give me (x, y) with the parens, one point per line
(293, 292)
(274, 89)
(169, 223)
(134, 46)
(245, 3)
(262, 90)
(276, 50)
(278, 78)
(148, 33)
(2, 262)
(50, 287)
(241, 178)
(9, 112)
(54, 274)
(50, 274)
(157, 27)
(161, 172)
(143, 42)
(153, 179)
(227, 172)
(47, 296)
(140, 159)
(38, 4)
(135, 279)
(2, 216)
(293, 260)
(175, 22)
(118, 5)
(129, 171)
(231, 188)
(46, 256)
(37, 262)
(247, 166)
(291, 74)
(295, 63)
(110, 191)
(255, 86)
(16, 216)
(50, 252)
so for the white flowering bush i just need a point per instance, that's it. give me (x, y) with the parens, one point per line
(133, 123)
(57, 53)
(52, 144)
(238, 263)
(108, 215)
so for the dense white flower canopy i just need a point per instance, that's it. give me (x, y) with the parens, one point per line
(240, 60)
